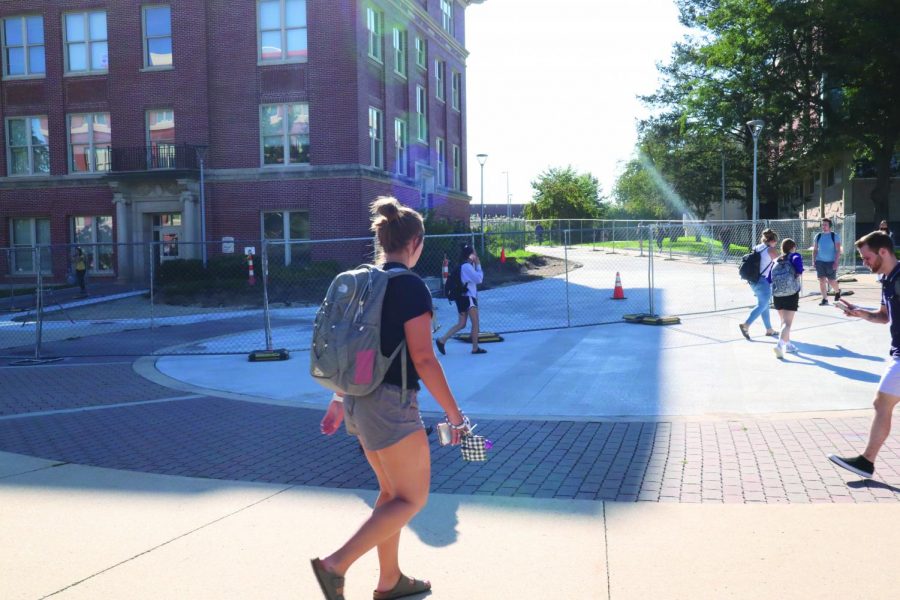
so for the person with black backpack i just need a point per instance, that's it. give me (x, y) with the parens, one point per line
(826, 257)
(760, 280)
(387, 420)
(786, 285)
(462, 288)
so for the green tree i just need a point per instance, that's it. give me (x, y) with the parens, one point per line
(638, 195)
(565, 194)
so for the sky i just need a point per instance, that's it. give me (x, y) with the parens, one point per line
(555, 83)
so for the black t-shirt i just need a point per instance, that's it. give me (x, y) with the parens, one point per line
(406, 297)
(891, 299)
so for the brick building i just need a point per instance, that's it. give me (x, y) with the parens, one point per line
(296, 112)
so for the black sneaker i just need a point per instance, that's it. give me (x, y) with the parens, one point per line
(440, 346)
(824, 302)
(837, 296)
(858, 464)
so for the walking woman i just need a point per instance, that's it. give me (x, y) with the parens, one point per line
(389, 427)
(763, 287)
(786, 285)
(471, 276)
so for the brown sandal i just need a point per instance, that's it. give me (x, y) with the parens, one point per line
(407, 586)
(332, 585)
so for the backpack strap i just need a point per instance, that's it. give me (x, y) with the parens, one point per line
(396, 272)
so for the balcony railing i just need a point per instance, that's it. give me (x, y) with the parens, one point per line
(158, 157)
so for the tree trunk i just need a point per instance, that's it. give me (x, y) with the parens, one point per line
(882, 189)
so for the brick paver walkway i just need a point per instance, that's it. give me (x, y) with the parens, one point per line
(131, 423)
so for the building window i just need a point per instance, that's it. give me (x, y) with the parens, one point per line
(401, 139)
(282, 30)
(28, 234)
(375, 27)
(455, 86)
(89, 138)
(457, 168)
(28, 146)
(421, 53)
(400, 52)
(23, 46)
(161, 139)
(376, 138)
(157, 36)
(94, 236)
(441, 150)
(440, 69)
(285, 133)
(85, 42)
(421, 114)
(447, 16)
(287, 232)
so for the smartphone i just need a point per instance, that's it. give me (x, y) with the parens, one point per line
(843, 306)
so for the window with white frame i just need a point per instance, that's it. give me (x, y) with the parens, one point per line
(400, 51)
(440, 148)
(421, 52)
(26, 235)
(440, 69)
(85, 42)
(157, 36)
(284, 129)
(94, 235)
(28, 146)
(282, 30)
(375, 27)
(376, 138)
(287, 231)
(457, 168)
(23, 46)
(421, 114)
(447, 16)
(401, 153)
(90, 136)
(455, 86)
(161, 139)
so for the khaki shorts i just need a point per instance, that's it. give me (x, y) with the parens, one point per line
(890, 379)
(381, 419)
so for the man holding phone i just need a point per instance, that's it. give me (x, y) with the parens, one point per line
(877, 252)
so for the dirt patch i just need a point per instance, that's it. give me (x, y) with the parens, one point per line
(513, 271)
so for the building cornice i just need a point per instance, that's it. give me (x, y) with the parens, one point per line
(410, 7)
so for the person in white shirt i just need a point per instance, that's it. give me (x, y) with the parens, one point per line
(466, 304)
(762, 289)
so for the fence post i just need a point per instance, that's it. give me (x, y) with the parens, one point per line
(566, 234)
(614, 238)
(38, 304)
(265, 278)
(650, 278)
(152, 282)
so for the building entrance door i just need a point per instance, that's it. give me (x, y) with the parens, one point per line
(166, 235)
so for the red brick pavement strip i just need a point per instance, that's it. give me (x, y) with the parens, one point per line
(734, 461)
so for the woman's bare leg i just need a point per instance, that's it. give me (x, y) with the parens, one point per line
(406, 468)
(460, 323)
(787, 319)
(473, 314)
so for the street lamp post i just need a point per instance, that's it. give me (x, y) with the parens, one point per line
(482, 158)
(508, 198)
(201, 156)
(755, 126)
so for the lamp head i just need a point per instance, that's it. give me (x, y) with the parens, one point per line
(756, 126)
(482, 158)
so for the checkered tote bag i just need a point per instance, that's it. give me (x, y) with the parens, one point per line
(472, 448)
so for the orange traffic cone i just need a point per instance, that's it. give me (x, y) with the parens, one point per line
(618, 292)
(251, 276)
(502, 255)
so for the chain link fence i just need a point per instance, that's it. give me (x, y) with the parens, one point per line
(237, 296)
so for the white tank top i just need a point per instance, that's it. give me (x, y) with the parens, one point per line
(765, 260)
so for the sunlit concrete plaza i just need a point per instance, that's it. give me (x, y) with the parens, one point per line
(629, 461)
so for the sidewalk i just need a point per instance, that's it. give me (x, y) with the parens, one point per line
(629, 462)
(84, 532)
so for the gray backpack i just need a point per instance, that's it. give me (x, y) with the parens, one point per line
(784, 279)
(346, 347)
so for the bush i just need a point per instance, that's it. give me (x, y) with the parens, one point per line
(180, 270)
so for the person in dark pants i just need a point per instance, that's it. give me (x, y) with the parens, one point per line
(80, 268)
(539, 232)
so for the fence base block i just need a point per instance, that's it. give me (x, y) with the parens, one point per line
(484, 337)
(648, 319)
(268, 355)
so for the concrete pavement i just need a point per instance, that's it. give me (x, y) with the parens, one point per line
(650, 463)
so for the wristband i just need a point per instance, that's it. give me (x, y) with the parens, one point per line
(464, 426)
(336, 398)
